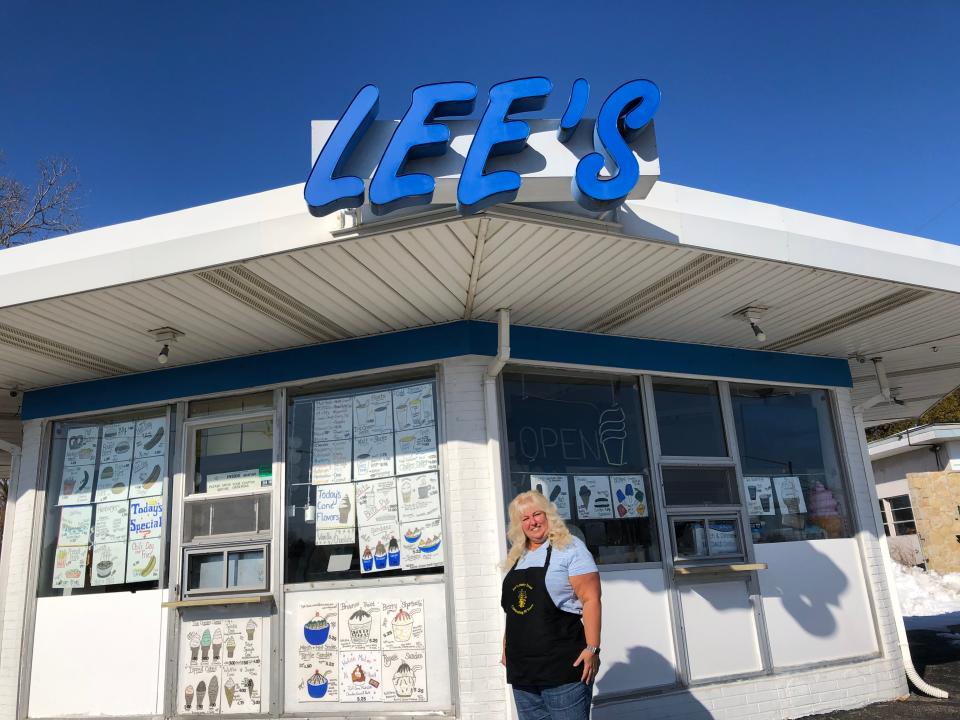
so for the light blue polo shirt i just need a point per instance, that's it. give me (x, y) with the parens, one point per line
(574, 559)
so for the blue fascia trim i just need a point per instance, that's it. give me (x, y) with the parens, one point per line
(423, 345)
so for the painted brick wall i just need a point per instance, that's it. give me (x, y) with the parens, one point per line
(472, 514)
(20, 512)
(935, 497)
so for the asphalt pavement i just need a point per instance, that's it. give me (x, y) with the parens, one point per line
(936, 656)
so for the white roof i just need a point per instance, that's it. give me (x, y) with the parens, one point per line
(259, 273)
(909, 439)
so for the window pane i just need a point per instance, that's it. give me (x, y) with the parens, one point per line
(689, 418)
(902, 514)
(205, 518)
(788, 449)
(107, 489)
(246, 569)
(690, 538)
(233, 458)
(724, 536)
(899, 502)
(205, 572)
(905, 528)
(363, 487)
(231, 405)
(581, 442)
(699, 486)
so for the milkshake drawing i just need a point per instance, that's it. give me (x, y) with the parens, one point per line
(402, 416)
(791, 501)
(406, 491)
(416, 411)
(367, 559)
(408, 444)
(380, 556)
(380, 417)
(393, 553)
(363, 464)
(613, 434)
(363, 412)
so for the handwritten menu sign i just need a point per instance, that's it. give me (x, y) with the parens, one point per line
(373, 456)
(113, 482)
(69, 567)
(377, 501)
(421, 544)
(111, 523)
(143, 560)
(362, 651)
(108, 563)
(416, 450)
(373, 413)
(413, 407)
(146, 518)
(76, 485)
(148, 476)
(379, 547)
(554, 487)
(82, 444)
(629, 496)
(221, 666)
(336, 514)
(331, 462)
(75, 525)
(117, 443)
(593, 497)
(332, 419)
(151, 438)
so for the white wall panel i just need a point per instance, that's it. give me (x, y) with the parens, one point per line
(637, 637)
(815, 601)
(96, 655)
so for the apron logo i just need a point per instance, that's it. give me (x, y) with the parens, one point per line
(522, 604)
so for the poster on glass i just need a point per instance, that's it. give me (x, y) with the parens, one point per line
(759, 496)
(113, 482)
(379, 547)
(70, 567)
(419, 497)
(592, 493)
(359, 623)
(108, 564)
(629, 496)
(146, 518)
(332, 419)
(82, 444)
(117, 445)
(147, 477)
(336, 514)
(372, 413)
(422, 544)
(556, 490)
(360, 676)
(143, 560)
(373, 457)
(75, 525)
(112, 523)
(790, 495)
(404, 675)
(331, 462)
(151, 438)
(76, 485)
(402, 625)
(377, 501)
(413, 406)
(416, 450)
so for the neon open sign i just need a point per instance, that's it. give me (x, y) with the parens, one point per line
(623, 117)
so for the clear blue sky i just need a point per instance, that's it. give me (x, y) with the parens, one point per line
(848, 109)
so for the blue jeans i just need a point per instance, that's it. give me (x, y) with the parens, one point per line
(563, 702)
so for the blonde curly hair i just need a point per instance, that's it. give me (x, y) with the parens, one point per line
(558, 534)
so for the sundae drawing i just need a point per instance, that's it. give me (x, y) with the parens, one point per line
(380, 556)
(205, 641)
(359, 624)
(317, 630)
(613, 433)
(104, 568)
(317, 685)
(367, 559)
(403, 680)
(213, 691)
(412, 535)
(358, 675)
(194, 639)
(217, 644)
(428, 545)
(188, 696)
(393, 552)
(402, 626)
(201, 691)
(229, 688)
(231, 646)
(251, 629)
(344, 508)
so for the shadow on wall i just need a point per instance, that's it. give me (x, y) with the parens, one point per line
(643, 661)
(808, 583)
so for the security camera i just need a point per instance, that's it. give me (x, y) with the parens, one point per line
(13, 393)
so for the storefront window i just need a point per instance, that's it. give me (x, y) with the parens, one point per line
(107, 489)
(902, 512)
(792, 473)
(581, 442)
(362, 484)
(689, 419)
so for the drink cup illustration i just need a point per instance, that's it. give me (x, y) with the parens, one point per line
(792, 502)
(380, 417)
(752, 491)
(406, 491)
(416, 411)
(363, 464)
(363, 412)
(423, 491)
(402, 416)
(408, 443)
(765, 502)
(68, 485)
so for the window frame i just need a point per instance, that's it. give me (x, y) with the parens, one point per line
(224, 589)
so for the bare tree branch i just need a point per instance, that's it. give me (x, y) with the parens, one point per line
(51, 208)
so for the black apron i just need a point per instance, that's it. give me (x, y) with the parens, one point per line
(543, 641)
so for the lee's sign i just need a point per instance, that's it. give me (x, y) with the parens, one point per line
(498, 159)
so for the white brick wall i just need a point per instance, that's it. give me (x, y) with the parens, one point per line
(20, 512)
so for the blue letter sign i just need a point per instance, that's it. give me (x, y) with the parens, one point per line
(622, 119)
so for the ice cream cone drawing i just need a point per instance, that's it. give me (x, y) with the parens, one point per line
(584, 495)
(613, 434)
(205, 641)
(404, 680)
(194, 639)
(231, 646)
(402, 626)
(344, 508)
(213, 691)
(201, 691)
(229, 688)
(251, 629)
(188, 697)
(217, 644)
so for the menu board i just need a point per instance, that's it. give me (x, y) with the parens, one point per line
(629, 496)
(151, 439)
(148, 476)
(75, 525)
(416, 450)
(377, 501)
(556, 489)
(790, 495)
(421, 544)
(379, 547)
(593, 498)
(332, 419)
(221, 665)
(143, 560)
(113, 482)
(413, 407)
(82, 444)
(336, 514)
(759, 496)
(111, 523)
(70, 566)
(146, 518)
(362, 651)
(373, 456)
(108, 564)
(76, 484)
(373, 413)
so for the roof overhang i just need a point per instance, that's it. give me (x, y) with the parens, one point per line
(259, 274)
(913, 439)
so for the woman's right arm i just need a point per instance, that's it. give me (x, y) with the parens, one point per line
(503, 652)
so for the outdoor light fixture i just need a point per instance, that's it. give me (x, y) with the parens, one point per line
(165, 335)
(752, 314)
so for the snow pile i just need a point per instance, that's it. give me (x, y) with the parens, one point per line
(925, 592)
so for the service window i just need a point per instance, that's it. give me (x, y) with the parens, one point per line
(363, 491)
(107, 487)
(227, 504)
(580, 440)
(793, 478)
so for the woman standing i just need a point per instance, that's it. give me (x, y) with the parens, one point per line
(551, 595)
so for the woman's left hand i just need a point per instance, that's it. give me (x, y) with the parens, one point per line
(591, 664)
